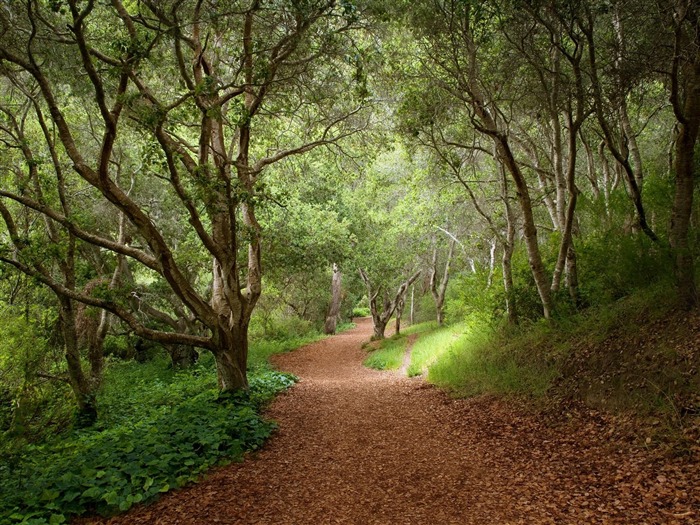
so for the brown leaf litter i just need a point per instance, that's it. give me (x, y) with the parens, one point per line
(358, 446)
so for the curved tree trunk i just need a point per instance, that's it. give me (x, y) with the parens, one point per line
(400, 304)
(380, 317)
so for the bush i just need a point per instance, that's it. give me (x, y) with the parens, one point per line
(361, 311)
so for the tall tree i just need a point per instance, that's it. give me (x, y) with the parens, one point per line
(685, 98)
(224, 77)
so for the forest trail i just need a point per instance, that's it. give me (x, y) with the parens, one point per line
(358, 446)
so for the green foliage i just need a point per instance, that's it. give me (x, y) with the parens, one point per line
(31, 406)
(159, 429)
(388, 355)
(361, 311)
(480, 362)
(614, 266)
(109, 471)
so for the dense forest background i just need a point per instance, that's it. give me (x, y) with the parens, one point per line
(190, 186)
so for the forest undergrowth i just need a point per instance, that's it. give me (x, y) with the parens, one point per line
(159, 429)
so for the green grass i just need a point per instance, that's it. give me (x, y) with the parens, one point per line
(419, 328)
(388, 355)
(474, 365)
(158, 429)
(581, 352)
(430, 346)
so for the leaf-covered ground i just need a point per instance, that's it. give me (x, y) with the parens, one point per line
(360, 446)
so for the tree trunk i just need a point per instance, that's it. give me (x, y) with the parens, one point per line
(379, 329)
(511, 309)
(492, 262)
(685, 99)
(508, 248)
(682, 208)
(334, 307)
(439, 291)
(399, 313)
(529, 229)
(182, 356)
(231, 359)
(83, 389)
(380, 318)
(411, 318)
(572, 276)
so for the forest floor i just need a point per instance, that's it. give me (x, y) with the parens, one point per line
(363, 446)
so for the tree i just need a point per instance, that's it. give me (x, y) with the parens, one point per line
(439, 290)
(685, 99)
(382, 303)
(223, 79)
(457, 37)
(336, 298)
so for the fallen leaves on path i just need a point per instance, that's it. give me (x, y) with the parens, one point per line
(358, 446)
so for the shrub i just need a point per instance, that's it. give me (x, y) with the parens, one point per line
(361, 311)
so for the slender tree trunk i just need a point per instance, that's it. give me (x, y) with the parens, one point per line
(572, 276)
(566, 249)
(590, 167)
(607, 179)
(492, 262)
(411, 318)
(511, 307)
(400, 304)
(683, 207)
(336, 296)
(529, 229)
(439, 291)
(508, 247)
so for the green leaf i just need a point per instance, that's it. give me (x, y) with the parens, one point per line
(147, 484)
(111, 498)
(92, 492)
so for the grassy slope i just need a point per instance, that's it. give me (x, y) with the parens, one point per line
(638, 354)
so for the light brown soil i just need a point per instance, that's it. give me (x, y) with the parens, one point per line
(357, 446)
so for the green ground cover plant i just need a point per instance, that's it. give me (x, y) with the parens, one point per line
(159, 429)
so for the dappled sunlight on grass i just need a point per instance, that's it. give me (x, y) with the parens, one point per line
(430, 346)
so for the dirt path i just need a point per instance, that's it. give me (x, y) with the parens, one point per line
(357, 446)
